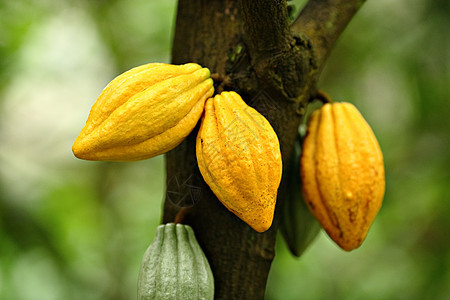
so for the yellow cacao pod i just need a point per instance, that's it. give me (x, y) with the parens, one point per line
(342, 173)
(144, 112)
(238, 154)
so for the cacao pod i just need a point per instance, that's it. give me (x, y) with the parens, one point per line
(342, 173)
(174, 267)
(297, 225)
(144, 112)
(238, 154)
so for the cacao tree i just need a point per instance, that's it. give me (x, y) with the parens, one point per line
(274, 63)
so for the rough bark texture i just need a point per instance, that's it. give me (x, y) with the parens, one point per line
(252, 49)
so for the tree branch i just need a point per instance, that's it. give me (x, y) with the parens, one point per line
(323, 21)
(209, 32)
(282, 63)
(266, 27)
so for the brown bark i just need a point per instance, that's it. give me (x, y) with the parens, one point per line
(323, 22)
(249, 44)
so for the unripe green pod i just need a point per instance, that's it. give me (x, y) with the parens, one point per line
(298, 226)
(175, 267)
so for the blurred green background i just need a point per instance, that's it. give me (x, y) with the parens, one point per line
(71, 229)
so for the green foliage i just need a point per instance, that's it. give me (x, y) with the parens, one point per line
(77, 230)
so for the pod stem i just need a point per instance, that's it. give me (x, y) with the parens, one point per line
(181, 215)
(323, 96)
(220, 82)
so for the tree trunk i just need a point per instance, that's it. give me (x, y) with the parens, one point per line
(251, 48)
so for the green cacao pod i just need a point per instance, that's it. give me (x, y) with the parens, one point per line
(175, 267)
(298, 226)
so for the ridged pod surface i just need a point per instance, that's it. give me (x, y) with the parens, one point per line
(238, 154)
(144, 112)
(174, 267)
(342, 173)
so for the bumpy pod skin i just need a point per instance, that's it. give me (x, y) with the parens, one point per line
(174, 267)
(342, 173)
(144, 112)
(238, 154)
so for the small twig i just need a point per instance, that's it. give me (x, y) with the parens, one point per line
(217, 77)
(222, 81)
(323, 96)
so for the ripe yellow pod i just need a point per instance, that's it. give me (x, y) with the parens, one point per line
(238, 154)
(144, 112)
(342, 173)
